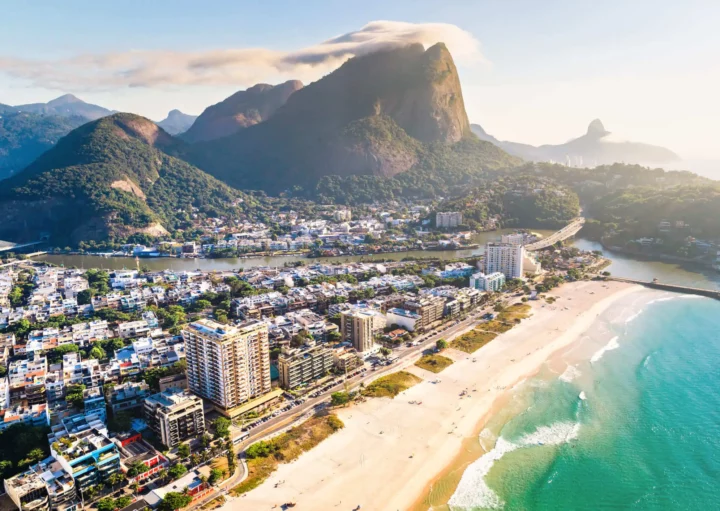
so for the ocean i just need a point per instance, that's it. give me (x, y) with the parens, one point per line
(628, 418)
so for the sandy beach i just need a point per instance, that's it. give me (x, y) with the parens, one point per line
(390, 451)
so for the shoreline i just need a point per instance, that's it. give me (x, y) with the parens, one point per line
(416, 446)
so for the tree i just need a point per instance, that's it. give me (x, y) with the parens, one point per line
(339, 398)
(97, 353)
(177, 471)
(115, 479)
(84, 297)
(441, 344)
(385, 352)
(222, 427)
(106, 504)
(74, 395)
(261, 449)
(183, 450)
(216, 475)
(174, 501)
(136, 468)
(123, 501)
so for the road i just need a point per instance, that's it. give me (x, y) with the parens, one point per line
(569, 230)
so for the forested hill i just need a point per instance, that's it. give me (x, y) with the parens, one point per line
(25, 136)
(109, 179)
(516, 200)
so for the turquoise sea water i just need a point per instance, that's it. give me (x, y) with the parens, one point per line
(632, 421)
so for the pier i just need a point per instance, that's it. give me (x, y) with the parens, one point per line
(673, 288)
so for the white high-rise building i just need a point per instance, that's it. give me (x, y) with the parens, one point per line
(505, 258)
(227, 365)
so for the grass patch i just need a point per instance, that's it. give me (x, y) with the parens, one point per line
(214, 504)
(473, 340)
(221, 462)
(486, 332)
(434, 363)
(391, 385)
(265, 456)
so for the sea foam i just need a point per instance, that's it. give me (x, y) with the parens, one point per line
(612, 345)
(634, 316)
(473, 491)
(569, 374)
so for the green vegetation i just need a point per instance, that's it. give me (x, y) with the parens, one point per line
(441, 344)
(114, 171)
(339, 398)
(177, 471)
(20, 446)
(174, 501)
(434, 363)
(222, 427)
(473, 340)
(391, 385)
(25, 136)
(265, 456)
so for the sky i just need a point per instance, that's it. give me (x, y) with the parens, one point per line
(532, 71)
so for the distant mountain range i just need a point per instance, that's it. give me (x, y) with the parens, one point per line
(596, 147)
(241, 110)
(177, 122)
(66, 106)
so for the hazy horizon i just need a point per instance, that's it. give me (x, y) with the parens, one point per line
(530, 73)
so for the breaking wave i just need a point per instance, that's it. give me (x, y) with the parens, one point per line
(569, 374)
(612, 345)
(473, 491)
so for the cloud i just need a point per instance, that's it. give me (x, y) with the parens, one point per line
(235, 66)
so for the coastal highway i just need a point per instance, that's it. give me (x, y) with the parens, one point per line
(405, 355)
(569, 230)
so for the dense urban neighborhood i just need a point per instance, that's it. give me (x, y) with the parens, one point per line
(132, 388)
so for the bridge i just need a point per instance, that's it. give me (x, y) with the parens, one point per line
(656, 284)
(566, 232)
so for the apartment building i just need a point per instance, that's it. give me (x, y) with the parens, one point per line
(46, 486)
(303, 366)
(429, 308)
(491, 283)
(83, 449)
(128, 395)
(174, 415)
(359, 326)
(505, 258)
(448, 219)
(227, 365)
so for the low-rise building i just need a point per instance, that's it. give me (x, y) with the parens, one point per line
(45, 486)
(429, 308)
(83, 449)
(403, 318)
(491, 283)
(127, 396)
(175, 415)
(297, 367)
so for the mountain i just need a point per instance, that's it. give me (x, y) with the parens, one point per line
(66, 106)
(376, 115)
(109, 179)
(25, 136)
(7, 109)
(242, 109)
(177, 122)
(597, 147)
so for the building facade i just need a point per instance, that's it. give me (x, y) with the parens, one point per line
(359, 327)
(298, 367)
(174, 415)
(448, 219)
(505, 258)
(491, 283)
(429, 308)
(227, 365)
